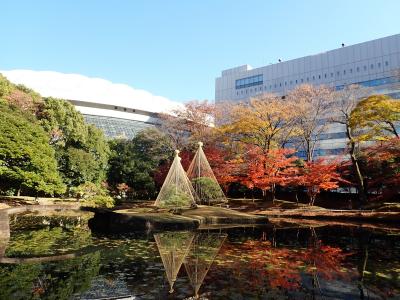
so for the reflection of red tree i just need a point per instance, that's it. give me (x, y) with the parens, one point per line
(261, 264)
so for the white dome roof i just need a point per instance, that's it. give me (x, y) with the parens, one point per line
(95, 90)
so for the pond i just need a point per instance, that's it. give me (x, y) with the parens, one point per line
(58, 257)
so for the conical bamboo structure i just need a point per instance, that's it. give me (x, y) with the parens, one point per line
(205, 184)
(203, 251)
(177, 190)
(173, 248)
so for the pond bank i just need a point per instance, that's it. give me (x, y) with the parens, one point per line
(138, 219)
(330, 214)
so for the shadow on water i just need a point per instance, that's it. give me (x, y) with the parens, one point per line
(57, 257)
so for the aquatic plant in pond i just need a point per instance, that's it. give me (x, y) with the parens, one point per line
(252, 263)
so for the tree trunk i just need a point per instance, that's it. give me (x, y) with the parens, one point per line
(19, 191)
(356, 168)
(394, 129)
(364, 242)
(273, 193)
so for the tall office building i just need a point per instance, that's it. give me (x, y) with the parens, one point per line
(374, 64)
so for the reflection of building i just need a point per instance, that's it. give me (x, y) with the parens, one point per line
(372, 64)
(116, 121)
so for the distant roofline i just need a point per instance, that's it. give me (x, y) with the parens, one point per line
(111, 107)
(249, 67)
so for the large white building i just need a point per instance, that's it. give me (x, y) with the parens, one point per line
(118, 109)
(374, 64)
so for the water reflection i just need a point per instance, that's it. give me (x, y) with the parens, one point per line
(173, 248)
(69, 262)
(196, 251)
(203, 251)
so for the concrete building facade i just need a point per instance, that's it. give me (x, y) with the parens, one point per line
(374, 64)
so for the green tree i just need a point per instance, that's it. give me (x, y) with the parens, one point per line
(26, 159)
(6, 87)
(65, 124)
(134, 162)
(82, 150)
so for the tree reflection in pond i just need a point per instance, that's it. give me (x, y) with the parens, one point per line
(253, 263)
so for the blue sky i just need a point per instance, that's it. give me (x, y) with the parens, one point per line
(176, 48)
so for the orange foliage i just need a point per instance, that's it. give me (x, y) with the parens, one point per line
(319, 175)
(266, 170)
(281, 267)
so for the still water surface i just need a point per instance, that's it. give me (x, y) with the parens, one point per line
(58, 257)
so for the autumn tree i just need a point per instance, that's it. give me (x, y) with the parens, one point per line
(345, 102)
(312, 104)
(266, 122)
(378, 116)
(189, 124)
(267, 170)
(381, 162)
(319, 175)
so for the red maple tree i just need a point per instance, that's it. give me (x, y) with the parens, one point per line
(266, 170)
(319, 175)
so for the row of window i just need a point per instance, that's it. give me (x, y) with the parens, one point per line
(244, 83)
(374, 82)
(332, 135)
(124, 109)
(249, 81)
(321, 152)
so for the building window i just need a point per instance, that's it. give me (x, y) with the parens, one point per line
(325, 75)
(296, 80)
(319, 76)
(249, 81)
(313, 78)
(372, 66)
(307, 79)
(285, 83)
(337, 73)
(275, 85)
(290, 82)
(379, 64)
(344, 72)
(358, 69)
(237, 93)
(115, 107)
(351, 70)
(280, 84)
(331, 74)
(124, 109)
(365, 68)
(302, 80)
(386, 63)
